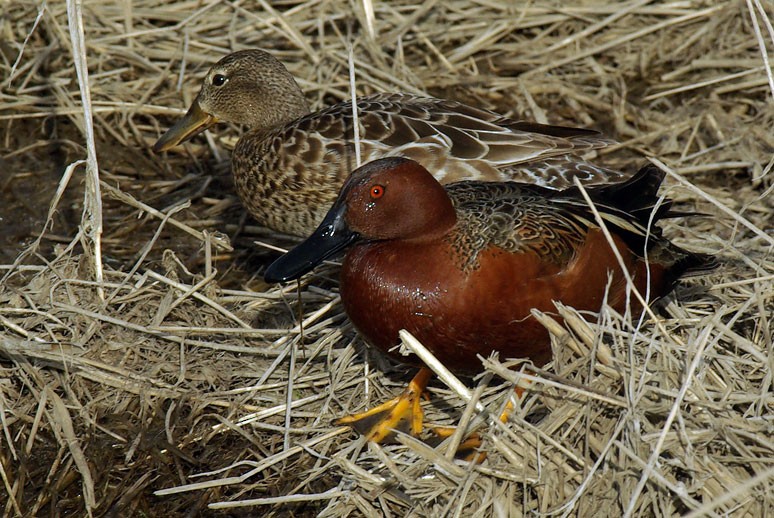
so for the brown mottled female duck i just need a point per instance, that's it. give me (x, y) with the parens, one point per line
(289, 166)
(461, 267)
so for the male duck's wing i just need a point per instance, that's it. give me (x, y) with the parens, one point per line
(553, 224)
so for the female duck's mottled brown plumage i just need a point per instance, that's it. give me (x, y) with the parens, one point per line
(290, 165)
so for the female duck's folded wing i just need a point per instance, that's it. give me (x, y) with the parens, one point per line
(454, 140)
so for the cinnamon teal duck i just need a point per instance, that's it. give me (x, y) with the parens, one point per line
(290, 164)
(462, 266)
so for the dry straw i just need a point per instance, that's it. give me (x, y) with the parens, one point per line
(147, 370)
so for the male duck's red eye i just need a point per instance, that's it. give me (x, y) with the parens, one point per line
(377, 191)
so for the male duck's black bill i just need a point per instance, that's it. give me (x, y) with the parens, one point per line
(193, 122)
(332, 236)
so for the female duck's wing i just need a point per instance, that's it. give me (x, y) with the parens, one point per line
(454, 141)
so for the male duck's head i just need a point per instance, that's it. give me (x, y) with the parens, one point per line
(389, 198)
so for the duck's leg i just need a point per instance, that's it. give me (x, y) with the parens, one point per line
(467, 448)
(378, 423)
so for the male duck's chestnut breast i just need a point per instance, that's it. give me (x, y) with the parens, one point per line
(457, 314)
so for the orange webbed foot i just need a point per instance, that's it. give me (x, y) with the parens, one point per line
(402, 413)
(468, 448)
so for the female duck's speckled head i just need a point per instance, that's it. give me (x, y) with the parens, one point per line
(248, 87)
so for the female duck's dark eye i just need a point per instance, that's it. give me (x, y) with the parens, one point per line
(219, 80)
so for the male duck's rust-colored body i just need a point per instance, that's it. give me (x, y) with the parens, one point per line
(290, 165)
(459, 315)
(462, 267)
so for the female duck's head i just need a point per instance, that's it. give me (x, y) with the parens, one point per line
(249, 87)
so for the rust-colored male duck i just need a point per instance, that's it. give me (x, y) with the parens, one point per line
(461, 267)
(290, 165)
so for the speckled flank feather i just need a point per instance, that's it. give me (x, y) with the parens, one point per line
(512, 218)
(290, 165)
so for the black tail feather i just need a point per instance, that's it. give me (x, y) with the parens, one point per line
(688, 264)
(638, 199)
(637, 196)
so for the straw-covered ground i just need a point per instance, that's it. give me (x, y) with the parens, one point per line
(152, 372)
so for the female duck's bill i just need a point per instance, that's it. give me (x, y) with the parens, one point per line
(191, 124)
(462, 267)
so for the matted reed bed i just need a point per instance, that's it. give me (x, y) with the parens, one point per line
(147, 370)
